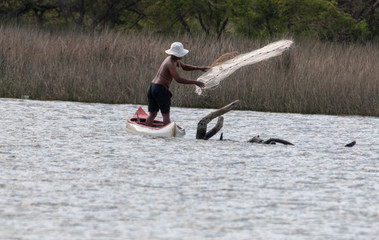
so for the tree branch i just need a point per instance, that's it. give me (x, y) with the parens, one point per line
(202, 125)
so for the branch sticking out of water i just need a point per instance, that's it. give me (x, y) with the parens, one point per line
(202, 125)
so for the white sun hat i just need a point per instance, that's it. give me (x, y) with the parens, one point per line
(177, 50)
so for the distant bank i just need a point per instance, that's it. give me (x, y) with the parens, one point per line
(313, 78)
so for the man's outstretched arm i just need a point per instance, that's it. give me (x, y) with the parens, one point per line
(187, 67)
(179, 79)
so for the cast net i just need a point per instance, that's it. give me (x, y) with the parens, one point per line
(220, 70)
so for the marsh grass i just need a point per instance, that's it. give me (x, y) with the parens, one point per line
(314, 77)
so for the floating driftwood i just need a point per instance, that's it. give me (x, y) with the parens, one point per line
(351, 144)
(203, 134)
(202, 125)
(257, 139)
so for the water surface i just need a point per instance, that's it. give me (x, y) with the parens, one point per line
(70, 171)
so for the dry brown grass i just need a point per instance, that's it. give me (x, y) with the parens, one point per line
(316, 77)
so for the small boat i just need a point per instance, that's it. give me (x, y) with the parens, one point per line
(136, 125)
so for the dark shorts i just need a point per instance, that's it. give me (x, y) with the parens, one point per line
(159, 98)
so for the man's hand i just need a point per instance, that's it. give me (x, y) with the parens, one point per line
(200, 84)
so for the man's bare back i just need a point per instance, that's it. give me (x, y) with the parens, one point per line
(164, 75)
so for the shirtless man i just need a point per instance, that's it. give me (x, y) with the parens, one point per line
(158, 94)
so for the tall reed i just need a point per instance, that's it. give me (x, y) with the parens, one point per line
(109, 67)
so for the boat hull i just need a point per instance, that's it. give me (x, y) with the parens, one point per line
(170, 130)
(136, 125)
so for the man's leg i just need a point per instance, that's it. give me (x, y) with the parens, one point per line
(150, 118)
(166, 118)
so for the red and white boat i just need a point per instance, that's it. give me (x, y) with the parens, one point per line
(136, 125)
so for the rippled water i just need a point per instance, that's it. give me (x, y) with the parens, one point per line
(70, 171)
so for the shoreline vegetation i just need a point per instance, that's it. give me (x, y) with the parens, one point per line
(314, 77)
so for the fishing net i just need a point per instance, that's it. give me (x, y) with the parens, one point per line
(221, 69)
